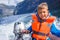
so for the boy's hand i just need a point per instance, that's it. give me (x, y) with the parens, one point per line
(25, 31)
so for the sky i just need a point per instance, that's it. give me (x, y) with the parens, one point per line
(10, 2)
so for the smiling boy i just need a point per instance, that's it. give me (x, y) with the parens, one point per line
(41, 23)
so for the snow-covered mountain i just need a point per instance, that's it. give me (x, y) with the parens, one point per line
(10, 2)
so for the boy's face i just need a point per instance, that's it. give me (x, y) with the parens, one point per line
(43, 13)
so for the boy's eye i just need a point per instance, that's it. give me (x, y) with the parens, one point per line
(43, 11)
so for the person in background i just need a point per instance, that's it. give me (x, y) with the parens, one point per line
(41, 23)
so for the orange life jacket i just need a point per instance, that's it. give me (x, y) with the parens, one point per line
(41, 30)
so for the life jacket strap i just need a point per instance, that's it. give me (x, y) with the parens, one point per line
(39, 33)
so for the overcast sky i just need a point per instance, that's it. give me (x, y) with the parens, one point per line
(10, 2)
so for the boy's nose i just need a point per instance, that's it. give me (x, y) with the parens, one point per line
(43, 14)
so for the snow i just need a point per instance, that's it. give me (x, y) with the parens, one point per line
(7, 25)
(6, 31)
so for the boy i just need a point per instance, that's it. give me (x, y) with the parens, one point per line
(41, 23)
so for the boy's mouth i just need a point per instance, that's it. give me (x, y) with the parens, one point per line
(44, 17)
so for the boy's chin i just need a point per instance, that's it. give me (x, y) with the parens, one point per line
(44, 18)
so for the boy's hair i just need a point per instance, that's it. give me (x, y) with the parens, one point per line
(43, 5)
